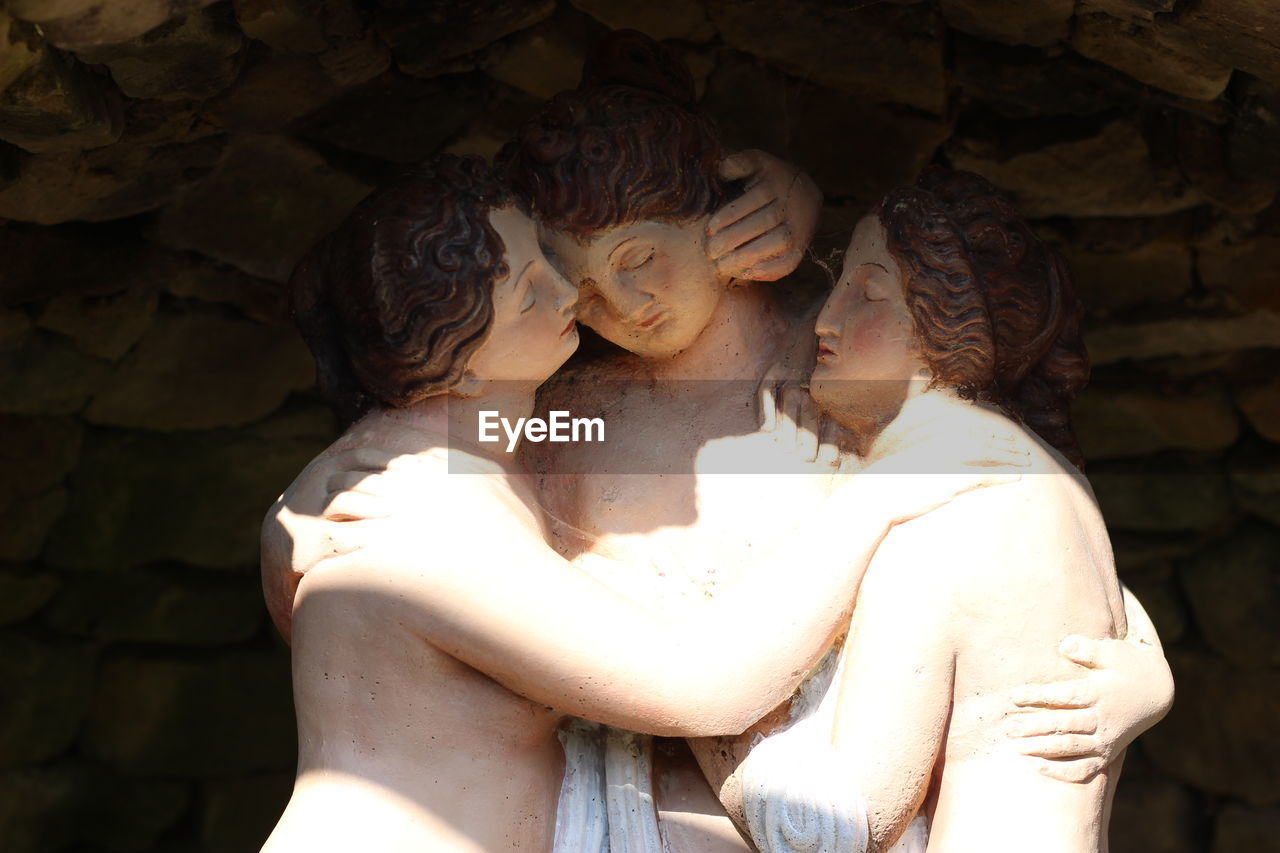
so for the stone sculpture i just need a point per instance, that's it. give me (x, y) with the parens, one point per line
(951, 310)
(623, 179)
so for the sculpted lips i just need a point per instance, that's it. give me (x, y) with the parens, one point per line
(569, 328)
(652, 319)
(825, 354)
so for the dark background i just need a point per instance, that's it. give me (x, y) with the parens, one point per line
(165, 162)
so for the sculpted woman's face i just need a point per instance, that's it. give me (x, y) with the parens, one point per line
(533, 330)
(867, 348)
(647, 287)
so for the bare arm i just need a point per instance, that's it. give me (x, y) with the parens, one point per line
(502, 601)
(511, 607)
(897, 678)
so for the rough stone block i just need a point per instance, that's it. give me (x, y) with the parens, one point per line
(1185, 337)
(48, 808)
(102, 326)
(139, 498)
(78, 24)
(354, 54)
(1233, 586)
(1203, 157)
(1118, 264)
(226, 716)
(239, 814)
(1160, 598)
(256, 298)
(272, 91)
(1161, 495)
(1260, 403)
(1255, 481)
(1113, 422)
(1254, 136)
(194, 56)
(266, 203)
(47, 101)
(48, 376)
(1108, 174)
(854, 148)
(152, 160)
(37, 809)
(199, 371)
(36, 454)
(1153, 815)
(1142, 52)
(1242, 828)
(424, 40)
(547, 58)
(1131, 10)
(1020, 82)
(23, 592)
(1246, 270)
(27, 522)
(288, 26)
(15, 329)
(1037, 24)
(401, 119)
(1243, 34)
(661, 19)
(895, 56)
(174, 605)
(1223, 734)
(47, 687)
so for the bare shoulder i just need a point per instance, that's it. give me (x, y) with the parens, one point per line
(960, 538)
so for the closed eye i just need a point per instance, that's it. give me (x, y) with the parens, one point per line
(530, 298)
(643, 261)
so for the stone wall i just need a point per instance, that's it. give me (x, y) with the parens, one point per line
(164, 162)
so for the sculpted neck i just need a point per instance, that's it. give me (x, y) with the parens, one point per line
(459, 416)
(744, 333)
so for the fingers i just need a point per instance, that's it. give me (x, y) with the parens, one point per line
(807, 422)
(1084, 651)
(1079, 693)
(354, 506)
(754, 260)
(1062, 747)
(749, 202)
(828, 441)
(742, 164)
(364, 459)
(789, 415)
(754, 224)
(768, 403)
(353, 481)
(1041, 723)
(1078, 772)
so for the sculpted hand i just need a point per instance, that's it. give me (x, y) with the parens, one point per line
(762, 235)
(1078, 727)
(295, 535)
(787, 411)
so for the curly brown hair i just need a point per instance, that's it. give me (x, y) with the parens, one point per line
(396, 300)
(995, 313)
(623, 147)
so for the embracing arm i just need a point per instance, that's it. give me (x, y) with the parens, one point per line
(897, 676)
(514, 609)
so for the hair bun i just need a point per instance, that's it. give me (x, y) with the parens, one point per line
(631, 58)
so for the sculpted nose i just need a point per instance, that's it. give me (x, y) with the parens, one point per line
(826, 326)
